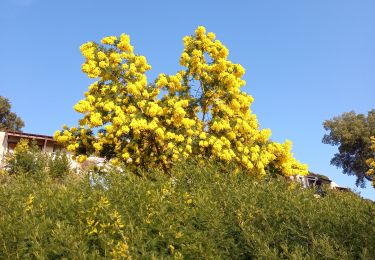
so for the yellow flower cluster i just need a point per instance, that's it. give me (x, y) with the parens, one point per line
(29, 203)
(103, 221)
(22, 146)
(200, 110)
(371, 162)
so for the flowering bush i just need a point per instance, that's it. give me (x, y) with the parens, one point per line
(202, 212)
(28, 159)
(200, 111)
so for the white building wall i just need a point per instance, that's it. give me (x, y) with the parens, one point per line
(3, 146)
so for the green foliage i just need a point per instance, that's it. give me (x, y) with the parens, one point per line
(351, 132)
(9, 121)
(58, 165)
(28, 159)
(198, 212)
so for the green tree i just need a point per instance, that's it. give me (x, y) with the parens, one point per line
(351, 132)
(9, 121)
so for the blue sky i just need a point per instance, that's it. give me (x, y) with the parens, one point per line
(306, 61)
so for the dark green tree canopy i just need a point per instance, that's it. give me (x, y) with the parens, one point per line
(9, 121)
(351, 133)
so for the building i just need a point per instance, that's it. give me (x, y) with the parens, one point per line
(317, 180)
(10, 139)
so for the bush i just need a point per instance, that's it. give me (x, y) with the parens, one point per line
(198, 212)
(59, 165)
(28, 159)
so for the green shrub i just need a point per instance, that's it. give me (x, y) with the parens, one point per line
(28, 159)
(197, 212)
(59, 165)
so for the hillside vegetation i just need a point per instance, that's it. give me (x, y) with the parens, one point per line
(200, 211)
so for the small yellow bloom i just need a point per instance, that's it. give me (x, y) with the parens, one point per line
(109, 40)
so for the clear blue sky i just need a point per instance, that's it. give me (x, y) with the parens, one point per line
(306, 61)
